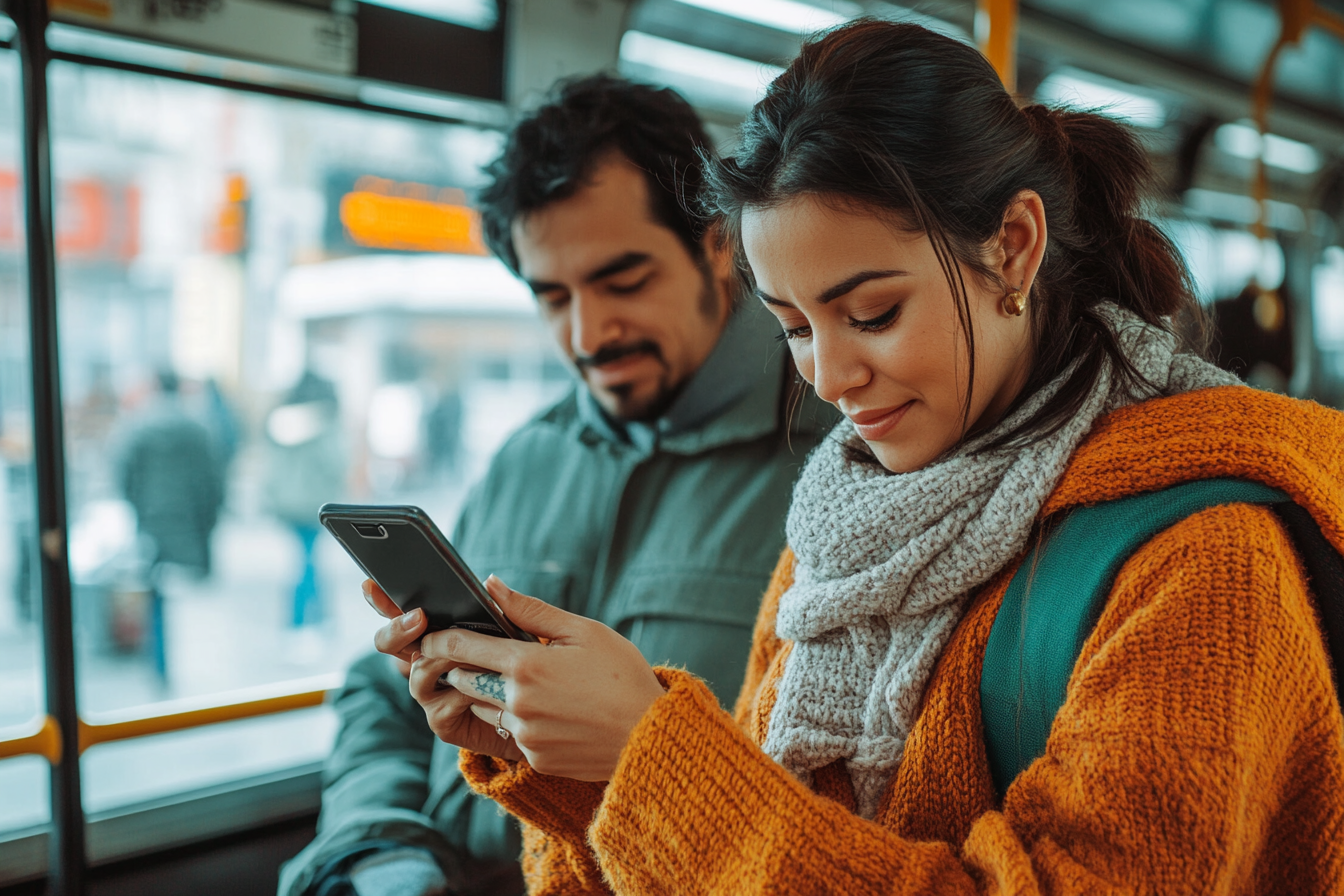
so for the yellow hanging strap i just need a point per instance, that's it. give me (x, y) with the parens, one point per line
(1295, 17)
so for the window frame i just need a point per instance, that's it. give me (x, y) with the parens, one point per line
(63, 850)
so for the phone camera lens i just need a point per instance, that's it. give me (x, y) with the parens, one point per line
(370, 530)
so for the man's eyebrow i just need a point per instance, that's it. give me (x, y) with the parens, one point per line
(617, 265)
(540, 286)
(849, 284)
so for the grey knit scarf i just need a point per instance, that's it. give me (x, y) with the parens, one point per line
(886, 563)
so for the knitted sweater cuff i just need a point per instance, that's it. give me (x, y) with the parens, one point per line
(665, 778)
(556, 805)
(559, 806)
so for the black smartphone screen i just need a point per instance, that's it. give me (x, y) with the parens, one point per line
(401, 550)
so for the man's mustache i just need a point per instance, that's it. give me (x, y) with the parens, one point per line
(609, 353)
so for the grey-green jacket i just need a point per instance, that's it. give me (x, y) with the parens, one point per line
(667, 532)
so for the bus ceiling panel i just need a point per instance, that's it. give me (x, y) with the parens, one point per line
(690, 24)
(1221, 42)
(1050, 40)
(309, 42)
(772, 33)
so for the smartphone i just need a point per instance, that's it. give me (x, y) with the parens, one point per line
(401, 549)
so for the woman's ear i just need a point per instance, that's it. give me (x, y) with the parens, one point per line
(1022, 241)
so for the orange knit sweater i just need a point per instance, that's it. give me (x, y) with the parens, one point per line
(1200, 747)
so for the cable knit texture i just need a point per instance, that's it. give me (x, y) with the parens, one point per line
(885, 565)
(1200, 748)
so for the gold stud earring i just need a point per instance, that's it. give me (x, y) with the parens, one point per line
(1014, 303)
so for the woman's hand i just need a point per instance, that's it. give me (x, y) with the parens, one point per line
(400, 638)
(568, 705)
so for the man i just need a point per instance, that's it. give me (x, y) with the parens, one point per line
(651, 498)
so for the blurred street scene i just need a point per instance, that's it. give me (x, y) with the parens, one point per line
(264, 305)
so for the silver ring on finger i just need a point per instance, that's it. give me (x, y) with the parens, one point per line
(499, 727)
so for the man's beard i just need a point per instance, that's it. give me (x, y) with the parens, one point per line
(623, 394)
(667, 391)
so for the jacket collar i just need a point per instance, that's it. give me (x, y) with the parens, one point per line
(733, 397)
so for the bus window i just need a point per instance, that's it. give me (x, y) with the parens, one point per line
(265, 304)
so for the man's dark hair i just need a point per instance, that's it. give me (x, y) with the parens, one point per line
(553, 150)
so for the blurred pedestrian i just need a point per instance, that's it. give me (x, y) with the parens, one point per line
(444, 434)
(305, 468)
(222, 422)
(168, 471)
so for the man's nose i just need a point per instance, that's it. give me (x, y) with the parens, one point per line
(836, 367)
(591, 324)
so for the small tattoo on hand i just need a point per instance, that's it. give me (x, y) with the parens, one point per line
(491, 684)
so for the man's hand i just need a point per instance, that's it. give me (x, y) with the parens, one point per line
(568, 705)
(400, 638)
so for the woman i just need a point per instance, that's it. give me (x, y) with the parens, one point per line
(971, 285)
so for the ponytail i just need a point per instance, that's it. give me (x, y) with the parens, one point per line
(1120, 254)
(902, 120)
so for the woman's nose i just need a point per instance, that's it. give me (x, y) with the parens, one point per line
(836, 367)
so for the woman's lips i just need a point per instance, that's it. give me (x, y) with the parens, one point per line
(874, 425)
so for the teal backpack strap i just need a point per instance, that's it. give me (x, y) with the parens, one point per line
(1055, 599)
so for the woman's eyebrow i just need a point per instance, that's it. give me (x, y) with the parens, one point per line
(830, 295)
(853, 282)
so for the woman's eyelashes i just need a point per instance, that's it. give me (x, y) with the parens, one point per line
(866, 325)
(879, 323)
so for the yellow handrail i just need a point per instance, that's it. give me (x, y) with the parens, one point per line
(996, 33)
(42, 739)
(176, 715)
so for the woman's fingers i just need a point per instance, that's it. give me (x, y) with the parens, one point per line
(424, 679)
(481, 686)
(500, 654)
(494, 718)
(452, 714)
(467, 648)
(568, 705)
(533, 616)
(378, 599)
(400, 637)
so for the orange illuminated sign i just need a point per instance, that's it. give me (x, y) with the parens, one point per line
(382, 214)
(95, 221)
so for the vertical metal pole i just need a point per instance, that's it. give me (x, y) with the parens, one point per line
(996, 34)
(67, 861)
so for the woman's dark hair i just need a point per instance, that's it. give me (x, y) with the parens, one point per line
(898, 119)
(552, 151)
